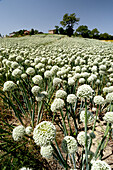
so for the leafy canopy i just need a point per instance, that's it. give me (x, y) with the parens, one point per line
(69, 20)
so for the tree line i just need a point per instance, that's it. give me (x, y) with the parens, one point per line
(68, 23)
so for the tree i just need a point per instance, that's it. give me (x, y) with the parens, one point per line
(56, 29)
(69, 21)
(83, 31)
(61, 31)
(35, 31)
(32, 32)
(105, 36)
(95, 33)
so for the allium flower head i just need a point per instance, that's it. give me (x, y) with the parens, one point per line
(108, 117)
(18, 133)
(9, 86)
(30, 71)
(69, 144)
(44, 133)
(61, 94)
(24, 168)
(84, 91)
(46, 151)
(71, 98)
(98, 100)
(17, 73)
(100, 165)
(56, 81)
(35, 90)
(47, 74)
(109, 97)
(81, 138)
(57, 105)
(37, 79)
(24, 76)
(90, 117)
(28, 130)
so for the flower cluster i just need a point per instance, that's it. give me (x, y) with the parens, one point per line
(84, 91)
(57, 105)
(44, 133)
(18, 133)
(69, 144)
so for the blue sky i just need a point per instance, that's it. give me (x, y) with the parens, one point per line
(45, 14)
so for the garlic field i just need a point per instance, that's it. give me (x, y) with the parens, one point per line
(54, 92)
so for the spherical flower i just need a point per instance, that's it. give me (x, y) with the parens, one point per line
(90, 117)
(81, 138)
(61, 94)
(81, 80)
(57, 104)
(108, 117)
(44, 133)
(35, 90)
(37, 79)
(109, 97)
(30, 71)
(98, 99)
(41, 96)
(47, 74)
(100, 165)
(71, 81)
(69, 144)
(18, 132)
(14, 65)
(24, 76)
(84, 91)
(56, 81)
(71, 98)
(24, 168)
(9, 86)
(106, 89)
(28, 130)
(46, 151)
(17, 73)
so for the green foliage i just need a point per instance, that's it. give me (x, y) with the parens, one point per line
(68, 22)
(83, 31)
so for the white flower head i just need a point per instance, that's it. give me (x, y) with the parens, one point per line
(98, 100)
(56, 81)
(24, 168)
(46, 151)
(71, 98)
(69, 144)
(44, 133)
(81, 138)
(37, 79)
(24, 76)
(100, 165)
(61, 94)
(84, 91)
(30, 71)
(28, 130)
(35, 90)
(109, 97)
(108, 117)
(47, 74)
(57, 105)
(18, 132)
(9, 86)
(17, 73)
(90, 117)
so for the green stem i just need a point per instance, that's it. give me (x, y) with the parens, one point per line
(90, 143)
(64, 125)
(103, 139)
(73, 159)
(86, 141)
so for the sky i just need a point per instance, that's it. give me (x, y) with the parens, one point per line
(44, 15)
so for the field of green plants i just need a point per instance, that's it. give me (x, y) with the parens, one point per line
(55, 92)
